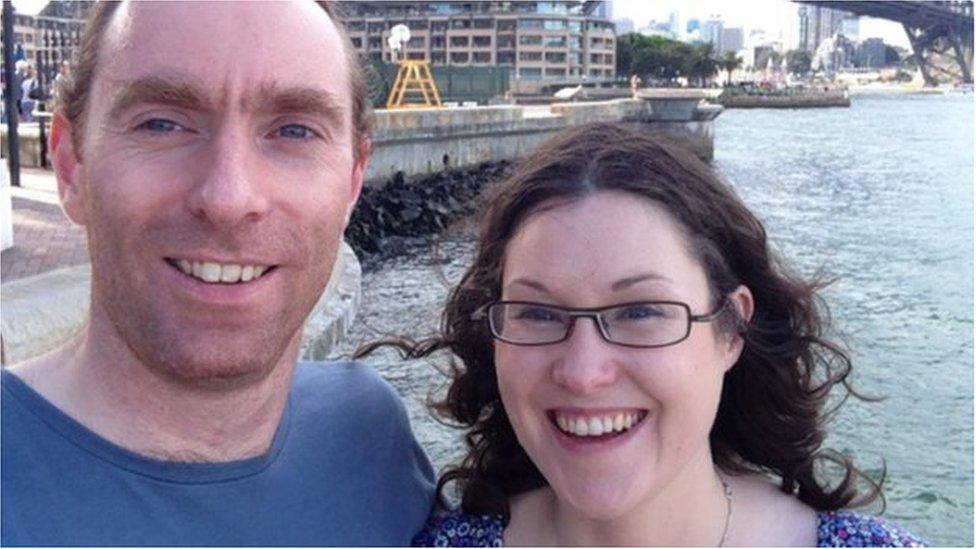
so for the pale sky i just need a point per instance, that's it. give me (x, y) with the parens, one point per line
(777, 17)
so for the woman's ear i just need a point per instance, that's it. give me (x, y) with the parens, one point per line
(740, 299)
(64, 158)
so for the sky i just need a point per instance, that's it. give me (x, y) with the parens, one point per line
(777, 17)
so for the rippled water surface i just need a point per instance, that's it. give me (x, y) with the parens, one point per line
(881, 196)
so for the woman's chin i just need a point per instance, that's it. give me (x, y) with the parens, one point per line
(602, 504)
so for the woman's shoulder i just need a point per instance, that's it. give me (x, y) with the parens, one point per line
(454, 528)
(851, 529)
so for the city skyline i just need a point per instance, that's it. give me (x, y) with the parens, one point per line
(778, 18)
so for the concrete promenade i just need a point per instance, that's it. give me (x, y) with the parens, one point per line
(44, 239)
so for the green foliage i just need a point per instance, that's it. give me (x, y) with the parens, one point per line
(729, 62)
(663, 59)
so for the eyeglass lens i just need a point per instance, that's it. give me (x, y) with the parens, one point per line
(643, 324)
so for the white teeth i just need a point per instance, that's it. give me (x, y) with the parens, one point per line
(596, 425)
(215, 272)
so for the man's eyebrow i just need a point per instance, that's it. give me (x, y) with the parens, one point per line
(161, 90)
(301, 100)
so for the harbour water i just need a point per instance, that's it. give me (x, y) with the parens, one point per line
(880, 196)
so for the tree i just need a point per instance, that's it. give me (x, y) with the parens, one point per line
(729, 62)
(798, 62)
(701, 63)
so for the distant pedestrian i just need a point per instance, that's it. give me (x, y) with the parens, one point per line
(29, 92)
(64, 73)
(635, 82)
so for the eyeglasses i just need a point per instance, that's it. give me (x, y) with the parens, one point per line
(643, 324)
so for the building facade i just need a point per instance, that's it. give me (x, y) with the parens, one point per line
(547, 45)
(50, 37)
(818, 24)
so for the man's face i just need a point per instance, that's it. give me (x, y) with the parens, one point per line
(215, 178)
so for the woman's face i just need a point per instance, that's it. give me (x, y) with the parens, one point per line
(611, 248)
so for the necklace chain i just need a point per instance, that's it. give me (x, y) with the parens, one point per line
(728, 511)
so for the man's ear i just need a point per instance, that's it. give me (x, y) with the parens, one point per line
(64, 157)
(741, 300)
(364, 149)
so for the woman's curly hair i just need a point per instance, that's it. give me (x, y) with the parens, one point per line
(774, 400)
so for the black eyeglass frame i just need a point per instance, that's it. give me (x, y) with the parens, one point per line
(596, 313)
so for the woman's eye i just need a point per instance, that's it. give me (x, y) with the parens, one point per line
(295, 131)
(538, 314)
(638, 312)
(159, 125)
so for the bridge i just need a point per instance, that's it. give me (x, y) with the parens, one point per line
(940, 32)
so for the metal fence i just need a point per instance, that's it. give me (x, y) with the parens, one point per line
(454, 82)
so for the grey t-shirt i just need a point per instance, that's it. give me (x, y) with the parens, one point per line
(343, 469)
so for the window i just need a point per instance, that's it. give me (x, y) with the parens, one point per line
(357, 42)
(437, 57)
(459, 41)
(417, 24)
(460, 23)
(556, 41)
(608, 59)
(596, 43)
(555, 73)
(530, 40)
(418, 55)
(596, 72)
(530, 74)
(530, 56)
(575, 26)
(459, 57)
(375, 42)
(376, 27)
(417, 42)
(506, 41)
(356, 25)
(595, 58)
(482, 57)
(506, 25)
(438, 26)
(530, 23)
(505, 58)
(437, 42)
(482, 41)
(555, 24)
(555, 57)
(483, 23)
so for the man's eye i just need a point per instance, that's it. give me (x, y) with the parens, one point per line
(295, 131)
(159, 125)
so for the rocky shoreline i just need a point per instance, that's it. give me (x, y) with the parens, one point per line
(400, 216)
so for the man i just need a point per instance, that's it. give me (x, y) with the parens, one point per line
(213, 153)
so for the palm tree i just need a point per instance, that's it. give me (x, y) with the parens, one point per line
(701, 63)
(729, 62)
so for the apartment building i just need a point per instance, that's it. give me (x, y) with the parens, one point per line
(547, 44)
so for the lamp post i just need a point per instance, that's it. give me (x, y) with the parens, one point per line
(13, 142)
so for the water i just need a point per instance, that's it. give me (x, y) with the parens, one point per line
(881, 196)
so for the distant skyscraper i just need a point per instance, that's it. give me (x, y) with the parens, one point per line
(712, 31)
(692, 26)
(851, 27)
(674, 23)
(818, 24)
(624, 26)
(732, 40)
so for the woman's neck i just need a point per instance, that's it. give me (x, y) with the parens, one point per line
(692, 510)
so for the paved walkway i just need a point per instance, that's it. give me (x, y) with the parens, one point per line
(44, 239)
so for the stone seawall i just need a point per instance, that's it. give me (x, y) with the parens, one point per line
(810, 100)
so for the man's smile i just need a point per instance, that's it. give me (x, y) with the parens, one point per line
(219, 273)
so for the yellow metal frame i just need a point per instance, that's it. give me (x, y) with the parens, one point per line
(413, 77)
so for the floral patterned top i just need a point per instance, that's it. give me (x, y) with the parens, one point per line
(834, 529)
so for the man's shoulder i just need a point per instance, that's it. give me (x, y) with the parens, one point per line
(345, 388)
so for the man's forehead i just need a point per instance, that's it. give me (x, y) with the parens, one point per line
(253, 43)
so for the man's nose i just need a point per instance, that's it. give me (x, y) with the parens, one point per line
(585, 362)
(231, 189)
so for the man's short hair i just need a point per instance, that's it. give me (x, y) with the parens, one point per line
(72, 91)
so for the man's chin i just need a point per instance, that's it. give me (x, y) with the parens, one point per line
(233, 369)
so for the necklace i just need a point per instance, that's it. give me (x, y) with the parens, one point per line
(728, 511)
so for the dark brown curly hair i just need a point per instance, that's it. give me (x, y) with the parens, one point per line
(774, 400)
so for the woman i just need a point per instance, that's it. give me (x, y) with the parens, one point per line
(637, 367)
